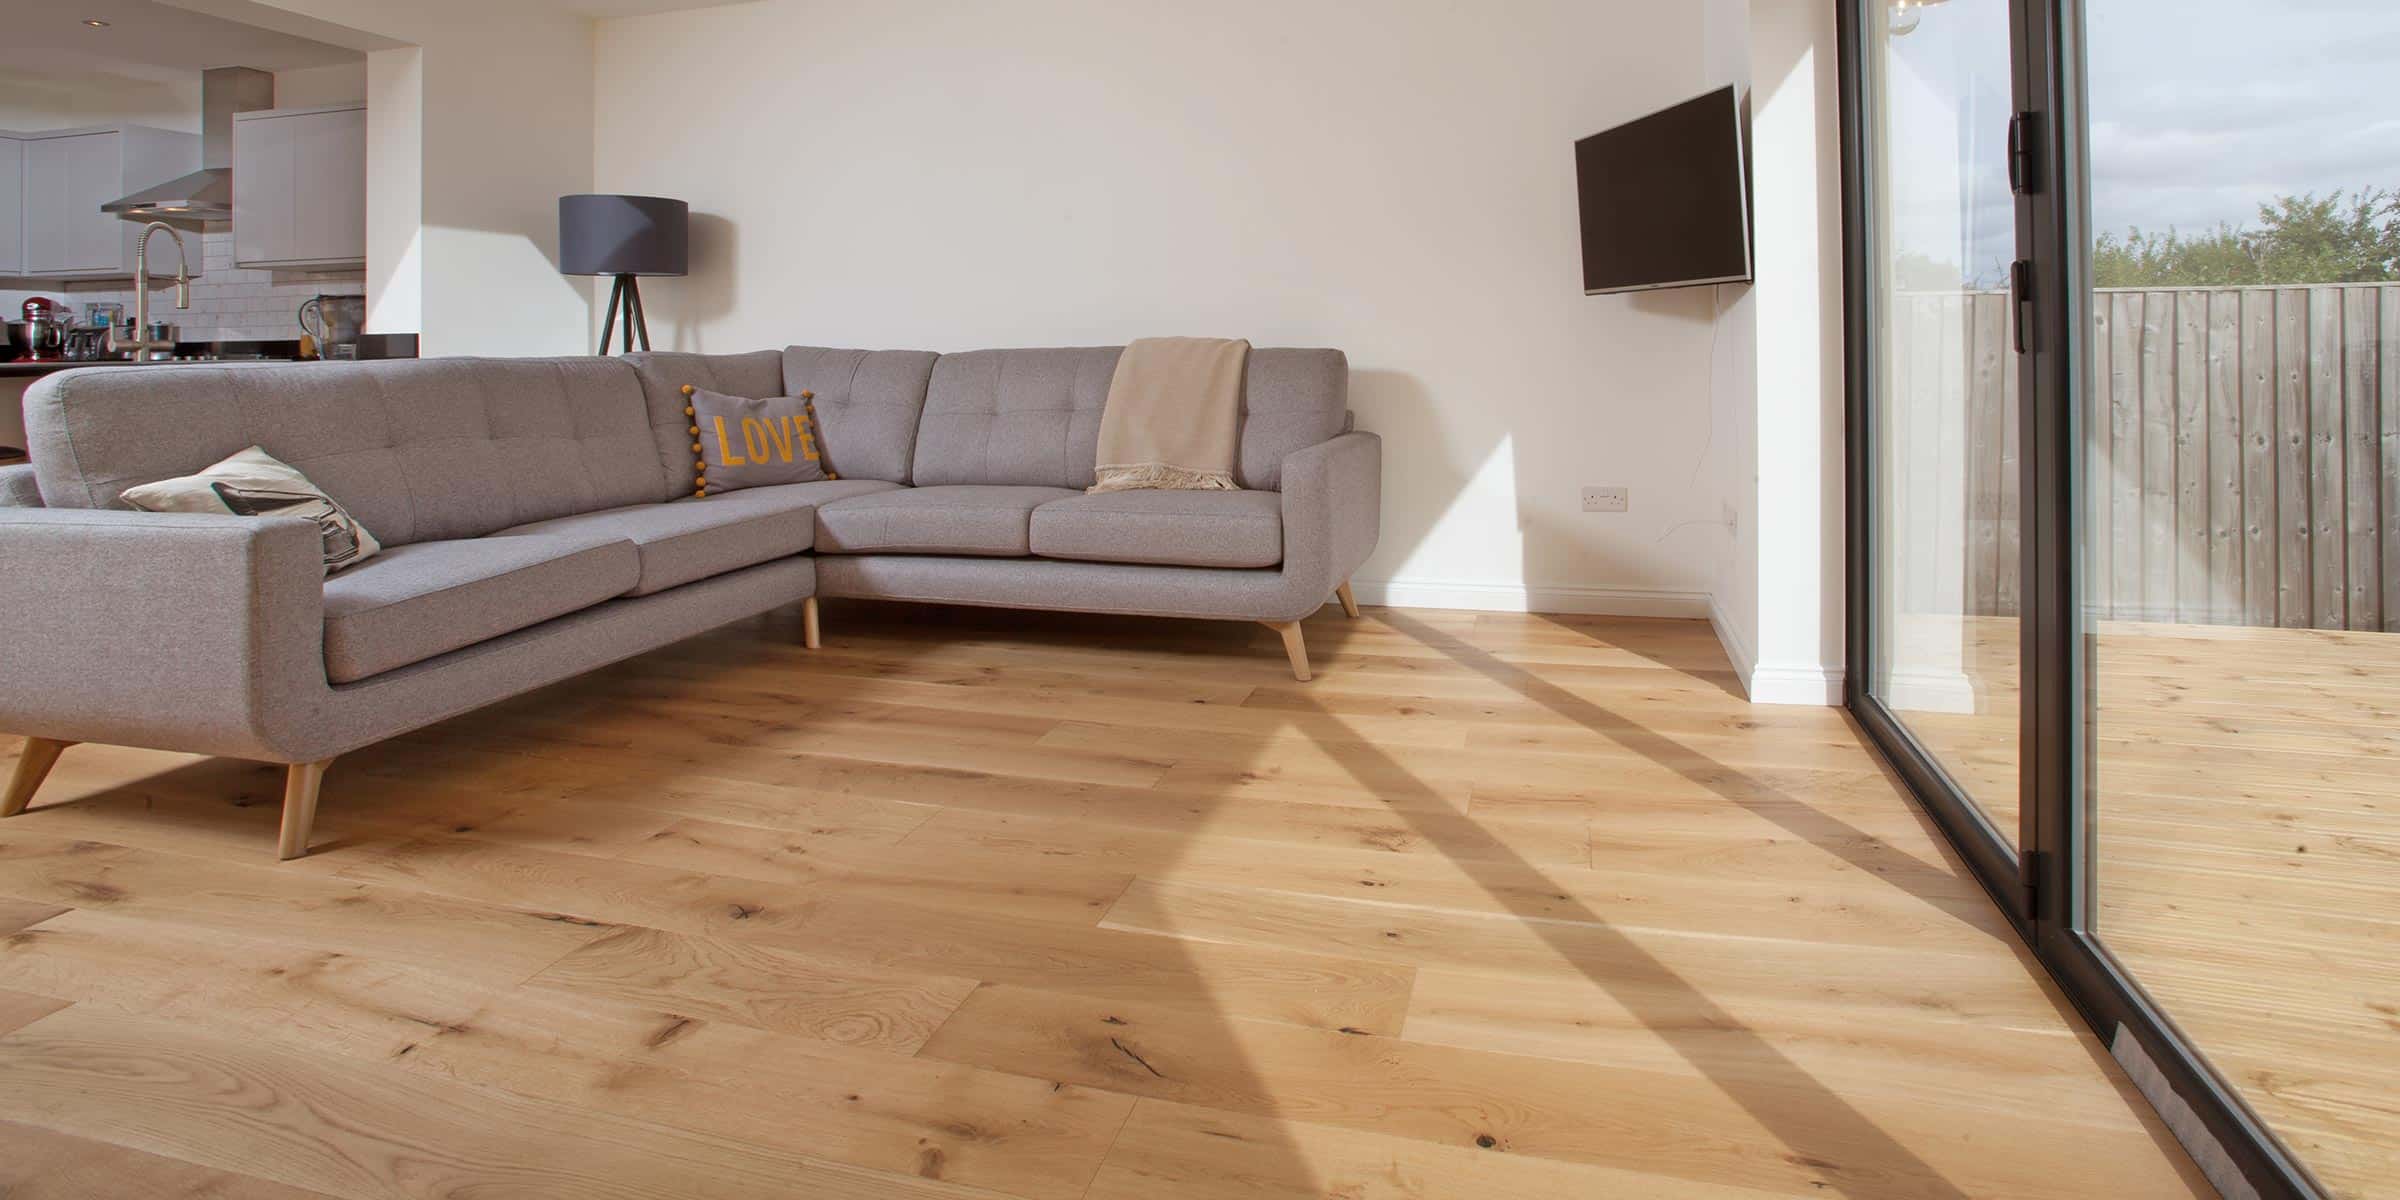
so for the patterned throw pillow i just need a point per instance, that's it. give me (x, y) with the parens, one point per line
(739, 442)
(254, 483)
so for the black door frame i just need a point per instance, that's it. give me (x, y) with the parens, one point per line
(2044, 880)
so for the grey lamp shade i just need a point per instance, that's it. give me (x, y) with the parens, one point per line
(623, 235)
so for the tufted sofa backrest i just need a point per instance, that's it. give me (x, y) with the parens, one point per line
(1033, 416)
(416, 449)
(425, 449)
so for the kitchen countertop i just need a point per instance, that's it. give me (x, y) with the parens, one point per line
(227, 350)
(21, 369)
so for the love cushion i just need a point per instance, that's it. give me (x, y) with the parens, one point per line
(743, 442)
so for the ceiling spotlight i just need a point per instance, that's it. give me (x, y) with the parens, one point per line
(95, 22)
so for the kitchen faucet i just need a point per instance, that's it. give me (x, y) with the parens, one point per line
(141, 344)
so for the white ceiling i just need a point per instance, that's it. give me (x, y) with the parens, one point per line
(143, 40)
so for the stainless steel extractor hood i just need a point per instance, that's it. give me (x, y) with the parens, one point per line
(205, 194)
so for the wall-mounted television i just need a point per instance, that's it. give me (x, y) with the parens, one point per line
(1665, 200)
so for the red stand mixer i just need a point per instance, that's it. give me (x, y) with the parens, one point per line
(41, 335)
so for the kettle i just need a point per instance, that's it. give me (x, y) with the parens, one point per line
(333, 322)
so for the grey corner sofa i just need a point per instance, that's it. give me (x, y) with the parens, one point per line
(537, 524)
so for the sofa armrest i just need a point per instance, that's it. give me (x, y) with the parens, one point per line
(170, 630)
(1332, 511)
(17, 487)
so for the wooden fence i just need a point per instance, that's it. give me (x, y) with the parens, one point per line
(2242, 454)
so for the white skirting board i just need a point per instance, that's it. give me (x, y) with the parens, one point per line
(1510, 597)
(1764, 683)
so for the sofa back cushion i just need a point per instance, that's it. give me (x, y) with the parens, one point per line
(867, 404)
(664, 375)
(1032, 417)
(1014, 417)
(866, 401)
(1291, 399)
(416, 450)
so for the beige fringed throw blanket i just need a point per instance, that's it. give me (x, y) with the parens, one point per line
(1173, 415)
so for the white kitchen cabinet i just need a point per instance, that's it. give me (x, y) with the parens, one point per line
(12, 205)
(70, 173)
(300, 187)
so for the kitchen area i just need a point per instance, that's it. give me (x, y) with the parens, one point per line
(176, 187)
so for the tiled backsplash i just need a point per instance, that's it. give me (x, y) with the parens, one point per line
(227, 302)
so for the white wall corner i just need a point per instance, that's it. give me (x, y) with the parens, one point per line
(1773, 683)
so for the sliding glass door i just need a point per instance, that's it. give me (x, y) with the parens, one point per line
(2240, 454)
(2124, 360)
(1936, 91)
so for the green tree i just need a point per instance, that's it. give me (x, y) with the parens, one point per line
(2299, 239)
(2140, 259)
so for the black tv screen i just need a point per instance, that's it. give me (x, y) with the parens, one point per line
(1664, 202)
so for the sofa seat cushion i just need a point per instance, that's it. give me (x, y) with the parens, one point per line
(414, 602)
(1171, 528)
(698, 537)
(956, 519)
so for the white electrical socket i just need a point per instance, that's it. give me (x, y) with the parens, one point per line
(1607, 499)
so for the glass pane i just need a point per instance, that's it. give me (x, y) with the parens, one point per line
(2241, 560)
(1945, 540)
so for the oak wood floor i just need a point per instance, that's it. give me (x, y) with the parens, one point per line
(2246, 819)
(975, 904)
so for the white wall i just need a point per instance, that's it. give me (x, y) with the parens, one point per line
(306, 87)
(953, 175)
(501, 100)
(1733, 392)
(35, 103)
(1795, 116)
(1777, 584)
(29, 102)
(396, 191)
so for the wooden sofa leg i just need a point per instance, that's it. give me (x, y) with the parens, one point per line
(808, 623)
(33, 766)
(1293, 646)
(1349, 602)
(301, 782)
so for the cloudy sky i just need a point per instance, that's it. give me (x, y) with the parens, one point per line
(2201, 110)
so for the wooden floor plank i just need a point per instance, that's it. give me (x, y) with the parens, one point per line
(19, 1009)
(1983, 972)
(16, 914)
(366, 1021)
(1806, 901)
(760, 986)
(1301, 987)
(38, 1164)
(1178, 1150)
(969, 877)
(254, 895)
(326, 1124)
